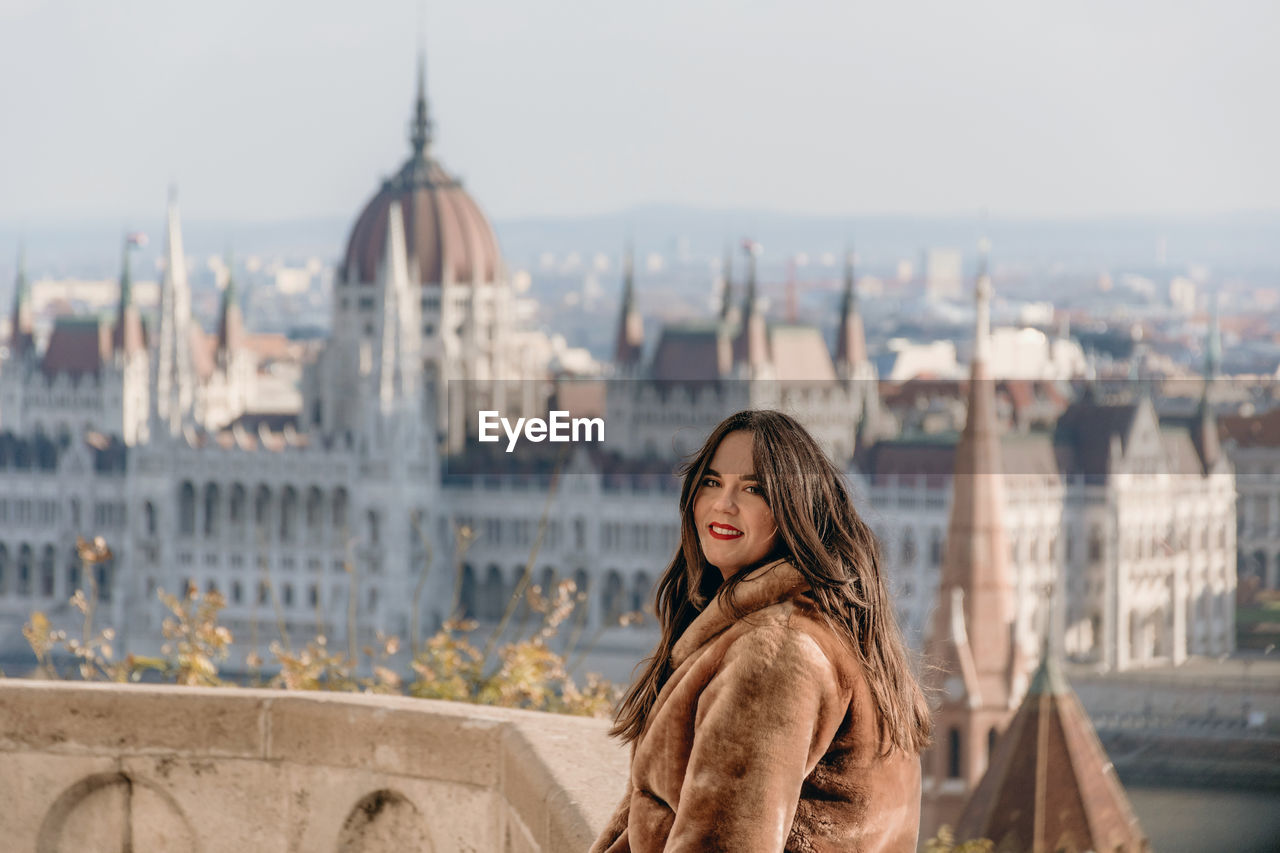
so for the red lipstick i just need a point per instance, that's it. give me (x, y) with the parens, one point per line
(734, 535)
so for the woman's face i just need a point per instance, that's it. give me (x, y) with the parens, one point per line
(735, 525)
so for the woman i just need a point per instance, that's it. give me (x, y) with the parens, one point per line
(778, 711)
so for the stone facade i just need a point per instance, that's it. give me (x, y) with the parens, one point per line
(93, 768)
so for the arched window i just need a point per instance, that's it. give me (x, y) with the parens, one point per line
(908, 547)
(46, 571)
(467, 598)
(262, 511)
(187, 509)
(288, 513)
(211, 509)
(4, 569)
(374, 524)
(1095, 543)
(953, 753)
(149, 518)
(24, 570)
(105, 573)
(236, 512)
(286, 594)
(613, 600)
(73, 569)
(340, 509)
(992, 736)
(935, 547)
(548, 582)
(492, 595)
(315, 509)
(237, 592)
(641, 595)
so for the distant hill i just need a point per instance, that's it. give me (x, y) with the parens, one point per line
(1241, 241)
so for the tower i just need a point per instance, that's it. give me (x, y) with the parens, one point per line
(130, 359)
(629, 343)
(751, 345)
(1204, 431)
(21, 338)
(974, 668)
(851, 340)
(171, 386)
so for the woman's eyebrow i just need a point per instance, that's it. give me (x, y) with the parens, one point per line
(714, 473)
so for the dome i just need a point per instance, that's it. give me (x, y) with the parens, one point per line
(447, 236)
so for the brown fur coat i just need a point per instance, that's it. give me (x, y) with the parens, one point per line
(764, 739)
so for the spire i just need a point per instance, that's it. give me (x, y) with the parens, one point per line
(1213, 346)
(1204, 430)
(726, 294)
(982, 318)
(975, 668)
(21, 339)
(749, 304)
(1050, 785)
(977, 555)
(630, 338)
(851, 341)
(399, 358)
(750, 348)
(230, 317)
(420, 129)
(172, 389)
(127, 335)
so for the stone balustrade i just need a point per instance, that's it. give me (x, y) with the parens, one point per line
(105, 768)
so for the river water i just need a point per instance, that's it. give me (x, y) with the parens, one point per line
(1183, 820)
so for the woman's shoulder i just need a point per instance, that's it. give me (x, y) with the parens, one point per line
(794, 632)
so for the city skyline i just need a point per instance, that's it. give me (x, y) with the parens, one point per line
(267, 114)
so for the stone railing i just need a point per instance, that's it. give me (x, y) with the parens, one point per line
(98, 768)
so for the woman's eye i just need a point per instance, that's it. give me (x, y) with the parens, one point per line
(710, 481)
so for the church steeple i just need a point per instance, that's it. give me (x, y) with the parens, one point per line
(751, 347)
(629, 343)
(971, 644)
(851, 341)
(127, 336)
(1204, 430)
(726, 294)
(21, 326)
(230, 318)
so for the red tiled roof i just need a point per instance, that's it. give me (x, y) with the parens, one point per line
(78, 345)
(1050, 785)
(1262, 430)
(687, 354)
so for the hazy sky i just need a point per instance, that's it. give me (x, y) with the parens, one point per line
(267, 110)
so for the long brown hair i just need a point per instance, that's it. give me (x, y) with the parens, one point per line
(821, 534)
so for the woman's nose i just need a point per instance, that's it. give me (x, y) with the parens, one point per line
(725, 501)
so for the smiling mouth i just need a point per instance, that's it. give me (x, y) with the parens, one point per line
(723, 531)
